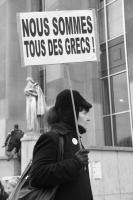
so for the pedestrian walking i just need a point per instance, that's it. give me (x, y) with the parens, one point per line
(13, 142)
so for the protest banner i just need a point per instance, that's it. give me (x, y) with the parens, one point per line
(57, 37)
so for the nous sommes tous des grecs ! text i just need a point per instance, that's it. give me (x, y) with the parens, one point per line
(69, 35)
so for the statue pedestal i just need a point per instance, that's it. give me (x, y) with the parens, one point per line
(27, 144)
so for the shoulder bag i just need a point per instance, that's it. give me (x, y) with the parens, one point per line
(22, 190)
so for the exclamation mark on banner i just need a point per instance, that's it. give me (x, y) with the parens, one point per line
(93, 44)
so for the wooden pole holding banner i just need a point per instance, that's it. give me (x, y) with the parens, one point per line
(73, 104)
(44, 66)
(29, 68)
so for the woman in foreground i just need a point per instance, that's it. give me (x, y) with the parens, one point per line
(71, 174)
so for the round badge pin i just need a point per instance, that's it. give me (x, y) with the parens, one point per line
(74, 141)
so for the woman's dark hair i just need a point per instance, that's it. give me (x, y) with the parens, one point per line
(1, 186)
(3, 195)
(63, 108)
(52, 116)
(55, 116)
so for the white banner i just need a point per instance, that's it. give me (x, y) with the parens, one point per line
(57, 37)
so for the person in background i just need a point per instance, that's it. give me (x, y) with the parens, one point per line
(71, 174)
(13, 142)
(3, 195)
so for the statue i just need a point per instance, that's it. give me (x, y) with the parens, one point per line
(35, 104)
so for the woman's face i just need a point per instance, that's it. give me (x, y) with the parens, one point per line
(84, 118)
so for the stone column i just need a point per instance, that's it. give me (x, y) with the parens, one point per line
(27, 144)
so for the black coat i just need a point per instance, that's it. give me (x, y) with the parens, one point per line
(74, 181)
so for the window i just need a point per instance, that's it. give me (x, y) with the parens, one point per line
(114, 19)
(116, 53)
(103, 60)
(110, 18)
(113, 75)
(119, 94)
(107, 130)
(101, 25)
(122, 130)
(105, 96)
